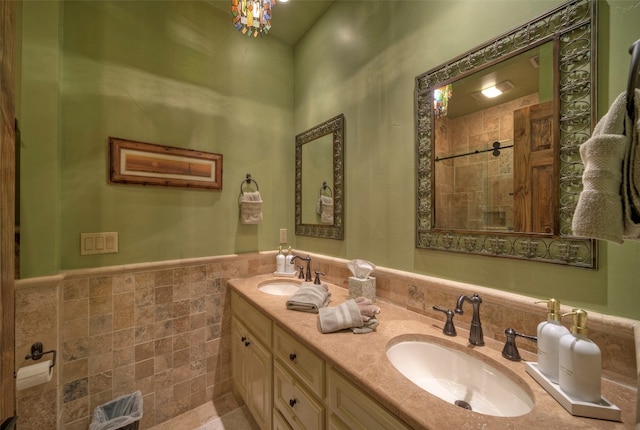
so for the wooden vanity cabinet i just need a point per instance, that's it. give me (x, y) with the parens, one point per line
(287, 386)
(251, 368)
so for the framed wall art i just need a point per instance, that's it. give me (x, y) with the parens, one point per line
(140, 163)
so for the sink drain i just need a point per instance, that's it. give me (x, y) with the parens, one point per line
(463, 404)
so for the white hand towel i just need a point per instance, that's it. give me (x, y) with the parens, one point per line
(309, 298)
(326, 213)
(631, 178)
(251, 208)
(598, 213)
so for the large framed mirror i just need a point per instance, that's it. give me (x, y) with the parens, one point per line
(501, 175)
(319, 205)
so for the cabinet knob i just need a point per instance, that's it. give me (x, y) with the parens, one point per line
(292, 402)
(292, 356)
(247, 343)
(243, 338)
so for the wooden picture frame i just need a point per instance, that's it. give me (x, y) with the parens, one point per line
(132, 162)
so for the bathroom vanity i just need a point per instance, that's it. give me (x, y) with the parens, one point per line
(291, 376)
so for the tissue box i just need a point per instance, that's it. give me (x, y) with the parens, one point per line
(362, 288)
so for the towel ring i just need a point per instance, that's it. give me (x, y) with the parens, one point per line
(248, 181)
(326, 187)
(632, 82)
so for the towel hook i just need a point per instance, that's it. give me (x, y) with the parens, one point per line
(632, 82)
(248, 181)
(326, 187)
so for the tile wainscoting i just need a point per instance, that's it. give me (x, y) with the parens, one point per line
(163, 328)
(160, 328)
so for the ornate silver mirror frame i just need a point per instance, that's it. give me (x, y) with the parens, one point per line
(335, 127)
(573, 27)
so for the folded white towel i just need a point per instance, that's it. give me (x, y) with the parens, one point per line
(598, 213)
(309, 298)
(251, 208)
(326, 209)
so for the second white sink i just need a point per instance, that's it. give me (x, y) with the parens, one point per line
(459, 378)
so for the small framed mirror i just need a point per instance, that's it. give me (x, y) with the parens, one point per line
(501, 175)
(319, 205)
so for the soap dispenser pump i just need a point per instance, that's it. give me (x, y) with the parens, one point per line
(580, 361)
(280, 261)
(549, 334)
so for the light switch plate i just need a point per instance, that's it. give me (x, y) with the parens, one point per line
(98, 243)
(283, 235)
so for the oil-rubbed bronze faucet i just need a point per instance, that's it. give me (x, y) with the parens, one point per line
(475, 335)
(307, 277)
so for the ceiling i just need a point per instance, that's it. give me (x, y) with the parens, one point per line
(290, 20)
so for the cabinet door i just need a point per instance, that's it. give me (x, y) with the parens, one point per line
(259, 377)
(251, 373)
(239, 336)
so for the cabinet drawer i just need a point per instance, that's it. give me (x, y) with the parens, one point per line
(299, 360)
(298, 407)
(257, 322)
(355, 409)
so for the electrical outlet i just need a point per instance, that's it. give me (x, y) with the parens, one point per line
(283, 235)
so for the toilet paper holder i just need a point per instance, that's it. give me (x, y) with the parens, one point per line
(36, 353)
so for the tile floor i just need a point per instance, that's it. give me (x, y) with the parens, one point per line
(220, 414)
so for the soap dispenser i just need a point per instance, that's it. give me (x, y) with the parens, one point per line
(280, 261)
(549, 334)
(580, 361)
(289, 266)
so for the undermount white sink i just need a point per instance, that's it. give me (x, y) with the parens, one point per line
(459, 378)
(279, 287)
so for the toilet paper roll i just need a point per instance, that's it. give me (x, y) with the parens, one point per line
(33, 375)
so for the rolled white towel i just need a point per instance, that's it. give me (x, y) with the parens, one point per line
(346, 315)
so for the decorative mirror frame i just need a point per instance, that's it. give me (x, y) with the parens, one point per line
(334, 126)
(573, 25)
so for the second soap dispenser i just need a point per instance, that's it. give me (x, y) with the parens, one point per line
(580, 362)
(549, 334)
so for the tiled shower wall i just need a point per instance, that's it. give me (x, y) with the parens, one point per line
(161, 329)
(475, 191)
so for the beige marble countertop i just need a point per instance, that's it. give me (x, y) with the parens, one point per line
(362, 359)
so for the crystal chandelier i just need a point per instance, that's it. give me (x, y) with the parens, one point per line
(252, 17)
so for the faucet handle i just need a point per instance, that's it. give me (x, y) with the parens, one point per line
(449, 329)
(510, 350)
(301, 274)
(316, 281)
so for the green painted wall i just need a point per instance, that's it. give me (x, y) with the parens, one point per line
(175, 73)
(361, 60)
(38, 117)
(170, 73)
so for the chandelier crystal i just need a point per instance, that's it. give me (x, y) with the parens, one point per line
(252, 17)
